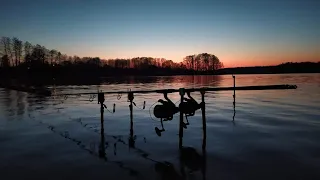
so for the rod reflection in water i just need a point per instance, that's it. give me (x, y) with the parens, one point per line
(102, 149)
(165, 169)
(189, 158)
(131, 137)
(234, 97)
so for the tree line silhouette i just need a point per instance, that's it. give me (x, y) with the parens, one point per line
(288, 67)
(15, 53)
(35, 63)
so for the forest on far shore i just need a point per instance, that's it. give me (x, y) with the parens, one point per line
(16, 54)
(35, 63)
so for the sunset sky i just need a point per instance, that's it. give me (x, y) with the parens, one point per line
(239, 33)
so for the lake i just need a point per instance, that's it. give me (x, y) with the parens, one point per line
(275, 134)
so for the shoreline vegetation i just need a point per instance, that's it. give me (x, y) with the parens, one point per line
(27, 64)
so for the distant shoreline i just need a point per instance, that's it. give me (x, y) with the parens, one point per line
(95, 75)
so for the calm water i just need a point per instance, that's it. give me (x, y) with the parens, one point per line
(275, 134)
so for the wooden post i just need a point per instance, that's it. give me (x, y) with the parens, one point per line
(204, 123)
(181, 92)
(130, 99)
(182, 170)
(234, 86)
(102, 151)
(101, 101)
(204, 136)
(234, 97)
(131, 119)
(102, 119)
(102, 147)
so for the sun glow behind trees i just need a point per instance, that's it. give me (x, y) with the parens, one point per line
(15, 53)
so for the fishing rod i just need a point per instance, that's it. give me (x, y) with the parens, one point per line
(202, 89)
(166, 109)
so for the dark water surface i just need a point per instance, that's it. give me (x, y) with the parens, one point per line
(276, 133)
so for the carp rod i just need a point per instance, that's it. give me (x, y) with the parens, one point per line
(202, 89)
(167, 109)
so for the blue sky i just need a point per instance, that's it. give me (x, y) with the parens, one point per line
(247, 32)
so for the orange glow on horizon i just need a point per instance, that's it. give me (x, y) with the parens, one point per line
(229, 59)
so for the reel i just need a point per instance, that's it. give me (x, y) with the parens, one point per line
(164, 111)
(189, 107)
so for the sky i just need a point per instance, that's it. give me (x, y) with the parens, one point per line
(239, 33)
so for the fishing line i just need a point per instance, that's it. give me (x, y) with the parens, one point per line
(150, 111)
(144, 105)
(91, 149)
(109, 111)
(141, 152)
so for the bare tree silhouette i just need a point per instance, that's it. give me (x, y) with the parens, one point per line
(17, 49)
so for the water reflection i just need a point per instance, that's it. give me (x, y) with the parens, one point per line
(21, 103)
(184, 80)
(131, 137)
(166, 170)
(189, 158)
(102, 146)
(234, 98)
(259, 126)
(7, 101)
(13, 103)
